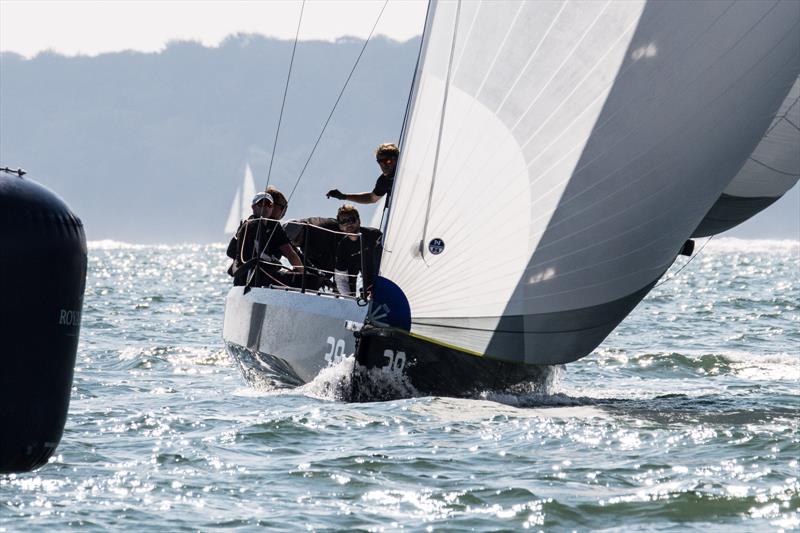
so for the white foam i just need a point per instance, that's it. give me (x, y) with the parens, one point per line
(332, 383)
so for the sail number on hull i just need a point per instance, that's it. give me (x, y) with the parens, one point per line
(335, 352)
(396, 361)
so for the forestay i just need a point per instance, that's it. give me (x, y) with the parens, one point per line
(574, 149)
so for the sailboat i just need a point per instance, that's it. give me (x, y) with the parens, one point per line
(557, 156)
(240, 206)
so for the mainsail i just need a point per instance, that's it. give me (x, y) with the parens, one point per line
(558, 155)
(240, 206)
(771, 170)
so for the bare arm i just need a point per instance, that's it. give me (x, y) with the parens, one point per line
(362, 197)
(291, 255)
(357, 197)
(343, 282)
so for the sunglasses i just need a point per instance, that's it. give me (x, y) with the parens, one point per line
(347, 220)
(385, 160)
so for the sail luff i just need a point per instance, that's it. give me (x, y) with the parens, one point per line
(441, 130)
(409, 118)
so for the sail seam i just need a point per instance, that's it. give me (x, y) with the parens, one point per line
(600, 95)
(795, 126)
(530, 58)
(500, 50)
(784, 116)
(560, 67)
(790, 174)
(628, 163)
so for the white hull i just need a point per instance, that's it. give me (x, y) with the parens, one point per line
(287, 336)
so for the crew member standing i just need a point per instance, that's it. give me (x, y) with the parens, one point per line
(386, 155)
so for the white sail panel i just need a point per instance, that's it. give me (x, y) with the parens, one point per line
(580, 145)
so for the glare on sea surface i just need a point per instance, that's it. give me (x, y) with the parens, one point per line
(687, 414)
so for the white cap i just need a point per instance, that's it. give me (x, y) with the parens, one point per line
(262, 196)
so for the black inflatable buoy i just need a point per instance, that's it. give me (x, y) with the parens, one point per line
(42, 279)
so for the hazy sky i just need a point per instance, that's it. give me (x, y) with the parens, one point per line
(92, 27)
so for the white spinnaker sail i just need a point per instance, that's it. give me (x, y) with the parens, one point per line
(580, 145)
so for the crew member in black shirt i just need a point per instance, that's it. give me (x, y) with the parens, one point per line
(356, 252)
(259, 236)
(316, 238)
(386, 155)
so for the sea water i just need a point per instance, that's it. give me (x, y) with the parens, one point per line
(684, 419)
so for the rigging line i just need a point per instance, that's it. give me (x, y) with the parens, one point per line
(441, 129)
(338, 98)
(792, 123)
(277, 132)
(784, 116)
(285, 91)
(685, 264)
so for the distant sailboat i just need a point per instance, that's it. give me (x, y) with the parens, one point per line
(240, 207)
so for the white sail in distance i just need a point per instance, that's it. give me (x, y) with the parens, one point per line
(564, 151)
(240, 206)
(234, 215)
(248, 191)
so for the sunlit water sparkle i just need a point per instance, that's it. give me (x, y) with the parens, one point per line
(685, 418)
